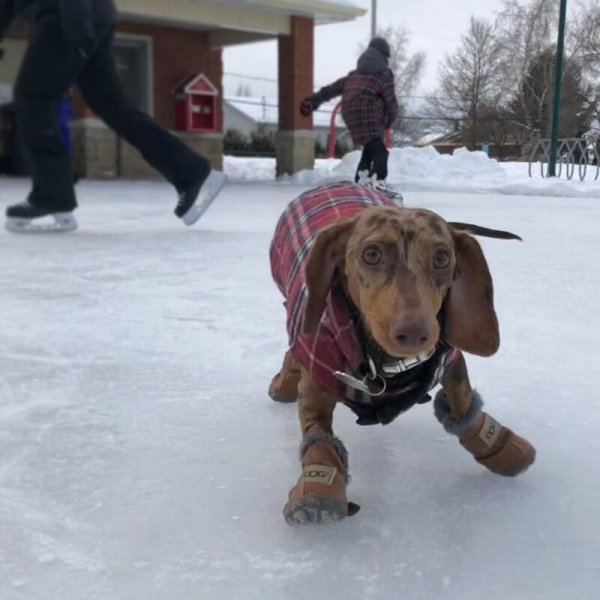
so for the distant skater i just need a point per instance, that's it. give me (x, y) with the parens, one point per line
(369, 107)
(71, 45)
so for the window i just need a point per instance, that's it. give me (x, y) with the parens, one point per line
(133, 59)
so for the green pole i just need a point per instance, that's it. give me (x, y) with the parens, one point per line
(558, 69)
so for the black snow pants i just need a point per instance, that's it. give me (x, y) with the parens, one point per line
(52, 64)
(374, 159)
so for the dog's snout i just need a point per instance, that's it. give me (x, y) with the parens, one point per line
(411, 332)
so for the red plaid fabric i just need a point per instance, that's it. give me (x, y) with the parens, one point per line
(334, 346)
(369, 104)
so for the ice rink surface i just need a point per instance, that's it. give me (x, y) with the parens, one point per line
(141, 459)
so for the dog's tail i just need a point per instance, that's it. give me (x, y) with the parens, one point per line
(484, 231)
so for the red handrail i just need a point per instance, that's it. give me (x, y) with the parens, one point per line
(332, 130)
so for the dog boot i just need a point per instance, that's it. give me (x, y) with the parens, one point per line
(494, 446)
(284, 386)
(319, 496)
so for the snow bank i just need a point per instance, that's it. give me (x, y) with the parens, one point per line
(424, 169)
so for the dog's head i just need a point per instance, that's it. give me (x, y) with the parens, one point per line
(404, 268)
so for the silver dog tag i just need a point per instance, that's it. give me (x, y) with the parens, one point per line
(352, 382)
(361, 385)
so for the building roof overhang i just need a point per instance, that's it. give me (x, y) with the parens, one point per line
(237, 21)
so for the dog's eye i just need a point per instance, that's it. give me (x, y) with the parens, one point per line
(441, 259)
(372, 255)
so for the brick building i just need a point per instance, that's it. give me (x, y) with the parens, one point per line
(160, 43)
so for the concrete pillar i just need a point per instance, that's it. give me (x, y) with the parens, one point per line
(295, 151)
(294, 141)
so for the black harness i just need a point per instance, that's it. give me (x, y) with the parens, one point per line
(393, 393)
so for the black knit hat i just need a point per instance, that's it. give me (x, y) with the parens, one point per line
(380, 45)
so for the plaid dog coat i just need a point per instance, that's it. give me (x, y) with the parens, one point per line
(336, 345)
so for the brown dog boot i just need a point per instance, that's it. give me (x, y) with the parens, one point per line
(319, 496)
(284, 386)
(493, 445)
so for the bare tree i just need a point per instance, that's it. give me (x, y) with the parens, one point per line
(535, 99)
(526, 31)
(469, 80)
(500, 82)
(583, 36)
(528, 34)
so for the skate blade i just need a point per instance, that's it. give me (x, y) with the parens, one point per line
(396, 196)
(208, 192)
(315, 510)
(390, 193)
(62, 223)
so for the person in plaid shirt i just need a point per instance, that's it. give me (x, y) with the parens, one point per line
(369, 107)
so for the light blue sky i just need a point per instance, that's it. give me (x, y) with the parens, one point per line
(436, 27)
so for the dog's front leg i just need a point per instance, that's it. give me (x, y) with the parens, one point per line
(459, 409)
(315, 406)
(320, 492)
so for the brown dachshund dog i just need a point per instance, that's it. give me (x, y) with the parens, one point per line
(381, 300)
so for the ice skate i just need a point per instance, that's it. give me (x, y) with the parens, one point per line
(384, 188)
(29, 218)
(195, 199)
(364, 179)
(379, 185)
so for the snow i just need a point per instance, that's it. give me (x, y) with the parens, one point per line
(143, 460)
(424, 169)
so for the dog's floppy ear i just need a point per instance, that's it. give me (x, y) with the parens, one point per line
(470, 321)
(326, 254)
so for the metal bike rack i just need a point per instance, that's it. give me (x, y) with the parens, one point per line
(571, 153)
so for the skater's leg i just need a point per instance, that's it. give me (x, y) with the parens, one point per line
(378, 169)
(49, 68)
(102, 90)
(379, 154)
(364, 164)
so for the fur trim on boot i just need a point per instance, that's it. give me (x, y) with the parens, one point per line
(312, 437)
(490, 443)
(454, 426)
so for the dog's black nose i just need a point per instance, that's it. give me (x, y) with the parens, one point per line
(410, 332)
